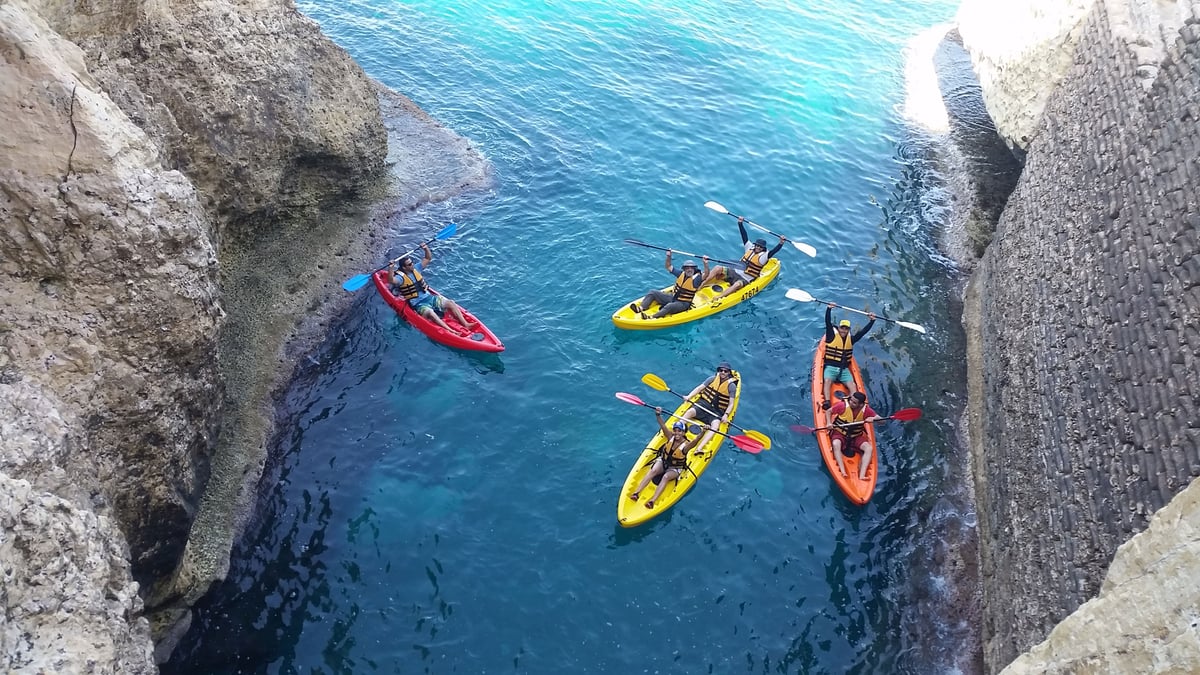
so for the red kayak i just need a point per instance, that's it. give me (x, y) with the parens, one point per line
(481, 340)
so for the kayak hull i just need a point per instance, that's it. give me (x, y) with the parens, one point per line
(631, 513)
(702, 304)
(481, 340)
(857, 491)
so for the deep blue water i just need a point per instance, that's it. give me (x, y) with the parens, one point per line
(432, 511)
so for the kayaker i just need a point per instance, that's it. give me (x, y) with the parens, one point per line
(849, 440)
(754, 258)
(671, 460)
(687, 281)
(410, 285)
(839, 350)
(715, 403)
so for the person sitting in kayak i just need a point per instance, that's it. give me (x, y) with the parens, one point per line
(850, 439)
(715, 403)
(687, 282)
(839, 350)
(671, 460)
(754, 257)
(410, 285)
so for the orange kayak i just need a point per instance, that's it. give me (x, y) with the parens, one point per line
(858, 491)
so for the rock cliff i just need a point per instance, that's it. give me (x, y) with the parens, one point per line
(1084, 352)
(171, 174)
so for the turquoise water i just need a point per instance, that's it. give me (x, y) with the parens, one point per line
(434, 511)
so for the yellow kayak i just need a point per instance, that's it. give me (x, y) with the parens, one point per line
(631, 513)
(702, 304)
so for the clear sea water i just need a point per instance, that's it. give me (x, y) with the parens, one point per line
(430, 511)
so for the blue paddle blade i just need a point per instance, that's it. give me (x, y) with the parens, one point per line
(356, 282)
(447, 231)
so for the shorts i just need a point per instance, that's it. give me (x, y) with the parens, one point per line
(849, 450)
(431, 301)
(704, 417)
(837, 374)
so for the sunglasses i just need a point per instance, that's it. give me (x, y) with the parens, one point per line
(724, 370)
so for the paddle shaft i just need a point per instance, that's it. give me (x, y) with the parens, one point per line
(859, 311)
(635, 242)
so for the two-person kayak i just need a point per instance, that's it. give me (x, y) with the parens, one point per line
(702, 305)
(858, 491)
(631, 513)
(478, 338)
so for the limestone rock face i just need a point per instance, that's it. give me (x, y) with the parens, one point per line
(90, 623)
(1021, 50)
(108, 310)
(1147, 616)
(263, 113)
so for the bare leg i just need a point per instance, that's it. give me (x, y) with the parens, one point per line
(828, 387)
(715, 274)
(837, 454)
(655, 469)
(662, 485)
(865, 462)
(712, 426)
(428, 313)
(455, 311)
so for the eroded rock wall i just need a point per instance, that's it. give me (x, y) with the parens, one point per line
(1084, 323)
(143, 142)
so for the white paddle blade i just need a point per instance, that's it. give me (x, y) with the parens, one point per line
(806, 249)
(912, 326)
(716, 207)
(799, 295)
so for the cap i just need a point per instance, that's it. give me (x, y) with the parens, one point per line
(859, 396)
(725, 365)
(844, 324)
(760, 242)
(692, 264)
(678, 426)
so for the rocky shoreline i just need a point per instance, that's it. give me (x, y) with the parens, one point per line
(184, 189)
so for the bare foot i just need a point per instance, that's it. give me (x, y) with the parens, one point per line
(649, 503)
(633, 496)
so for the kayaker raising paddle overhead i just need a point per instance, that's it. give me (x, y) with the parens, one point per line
(688, 280)
(671, 460)
(754, 258)
(715, 402)
(849, 420)
(839, 350)
(408, 283)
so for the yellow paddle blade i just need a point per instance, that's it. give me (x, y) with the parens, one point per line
(760, 437)
(655, 382)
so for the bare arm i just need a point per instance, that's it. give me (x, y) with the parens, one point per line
(669, 266)
(661, 425)
(699, 387)
(428, 255)
(742, 229)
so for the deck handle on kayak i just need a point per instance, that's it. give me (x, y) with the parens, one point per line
(359, 280)
(656, 382)
(902, 415)
(804, 248)
(803, 296)
(746, 443)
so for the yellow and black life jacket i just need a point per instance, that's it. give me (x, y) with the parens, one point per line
(848, 415)
(674, 457)
(410, 288)
(717, 393)
(753, 267)
(685, 287)
(839, 352)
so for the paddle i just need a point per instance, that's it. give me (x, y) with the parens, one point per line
(656, 382)
(901, 415)
(635, 242)
(359, 280)
(803, 296)
(746, 443)
(803, 247)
